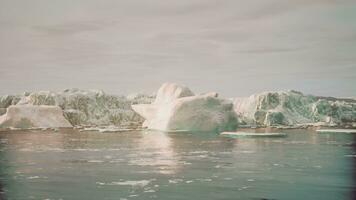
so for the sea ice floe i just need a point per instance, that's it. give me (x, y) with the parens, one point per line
(336, 130)
(109, 129)
(247, 134)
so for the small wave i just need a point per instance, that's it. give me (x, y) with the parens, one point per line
(350, 155)
(37, 177)
(95, 161)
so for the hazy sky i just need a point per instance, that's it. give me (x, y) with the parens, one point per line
(234, 47)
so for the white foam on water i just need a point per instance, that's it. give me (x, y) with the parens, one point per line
(227, 179)
(150, 191)
(108, 129)
(37, 177)
(247, 151)
(244, 187)
(33, 177)
(198, 152)
(204, 179)
(174, 181)
(86, 149)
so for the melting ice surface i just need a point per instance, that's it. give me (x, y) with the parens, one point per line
(69, 164)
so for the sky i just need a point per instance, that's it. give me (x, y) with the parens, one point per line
(234, 47)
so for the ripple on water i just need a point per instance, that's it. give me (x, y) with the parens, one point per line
(37, 177)
(95, 161)
(350, 155)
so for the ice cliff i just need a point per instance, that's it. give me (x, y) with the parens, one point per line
(176, 107)
(292, 108)
(84, 107)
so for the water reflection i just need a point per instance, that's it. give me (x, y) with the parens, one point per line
(156, 150)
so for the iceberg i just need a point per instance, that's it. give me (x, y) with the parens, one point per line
(30, 116)
(177, 108)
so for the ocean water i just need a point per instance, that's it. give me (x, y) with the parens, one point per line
(69, 164)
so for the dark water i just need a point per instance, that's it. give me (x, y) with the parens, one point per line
(153, 165)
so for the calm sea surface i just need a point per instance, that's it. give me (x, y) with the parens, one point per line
(69, 164)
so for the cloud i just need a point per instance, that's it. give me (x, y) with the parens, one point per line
(73, 27)
(272, 50)
(232, 46)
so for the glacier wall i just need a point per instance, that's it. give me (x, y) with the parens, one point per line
(282, 108)
(289, 108)
(85, 107)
